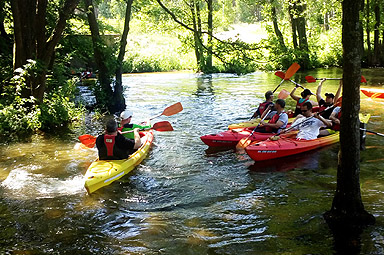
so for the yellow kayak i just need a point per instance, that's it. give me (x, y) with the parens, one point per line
(103, 172)
(251, 123)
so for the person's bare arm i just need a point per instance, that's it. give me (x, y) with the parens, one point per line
(137, 138)
(338, 93)
(318, 91)
(294, 97)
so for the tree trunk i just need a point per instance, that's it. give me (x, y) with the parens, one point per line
(368, 31)
(118, 97)
(105, 80)
(30, 39)
(278, 33)
(197, 36)
(376, 42)
(347, 208)
(210, 32)
(294, 27)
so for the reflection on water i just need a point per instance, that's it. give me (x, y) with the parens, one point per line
(185, 197)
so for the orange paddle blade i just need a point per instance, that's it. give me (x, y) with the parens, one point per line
(283, 94)
(88, 140)
(163, 126)
(244, 142)
(173, 109)
(291, 71)
(280, 74)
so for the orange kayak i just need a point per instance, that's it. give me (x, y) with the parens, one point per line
(373, 93)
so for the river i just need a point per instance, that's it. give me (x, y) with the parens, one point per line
(184, 199)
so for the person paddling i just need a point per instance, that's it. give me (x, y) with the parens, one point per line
(278, 121)
(113, 145)
(305, 95)
(126, 125)
(309, 124)
(263, 106)
(330, 99)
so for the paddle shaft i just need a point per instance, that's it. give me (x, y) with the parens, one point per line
(373, 132)
(253, 131)
(290, 128)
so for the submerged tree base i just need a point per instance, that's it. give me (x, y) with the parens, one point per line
(347, 228)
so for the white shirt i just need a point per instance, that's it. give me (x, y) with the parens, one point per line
(308, 130)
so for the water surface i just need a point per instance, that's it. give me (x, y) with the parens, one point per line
(184, 199)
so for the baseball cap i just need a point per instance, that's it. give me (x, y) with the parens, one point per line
(126, 114)
(330, 95)
(307, 92)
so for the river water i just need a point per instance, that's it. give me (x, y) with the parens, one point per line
(185, 199)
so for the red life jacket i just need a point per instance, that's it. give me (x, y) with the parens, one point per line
(337, 126)
(274, 119)
(109, 141)
(263, 106)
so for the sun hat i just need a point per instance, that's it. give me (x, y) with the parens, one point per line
(126, 114)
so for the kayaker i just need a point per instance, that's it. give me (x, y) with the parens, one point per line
(126, 125)
(278, 121)
(330, 98)
(309, 123)
(305, 95)
(263, 106)
(113, 145)
(335, 118)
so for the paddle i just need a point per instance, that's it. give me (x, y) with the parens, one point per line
(283, 94)
(90, 140)
(290, 72)
(379, 134)
(244, 142)
(170, 110)
(312, 79)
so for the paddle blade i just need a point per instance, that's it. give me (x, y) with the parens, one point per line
(244, 142)
(280, 74)
(173, 109)
(283, 94)
(88, 140)
(363, 79)
(310, 79)
(163, 126)
(291, 71)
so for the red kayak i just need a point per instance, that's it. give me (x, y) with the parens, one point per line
(231, 137)
(287, 145)
(373, 93)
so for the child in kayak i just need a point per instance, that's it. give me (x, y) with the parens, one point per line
(113, 145)
(263, 106)
(125, 125)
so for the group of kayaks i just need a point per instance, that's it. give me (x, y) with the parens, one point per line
(263, 147)
(101, 173)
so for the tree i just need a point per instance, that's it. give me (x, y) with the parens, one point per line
(34, 39)
(299, 34)
(347, 212)
(113, 99)
(118, 98)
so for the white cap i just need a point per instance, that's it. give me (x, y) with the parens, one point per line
(126, 114)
